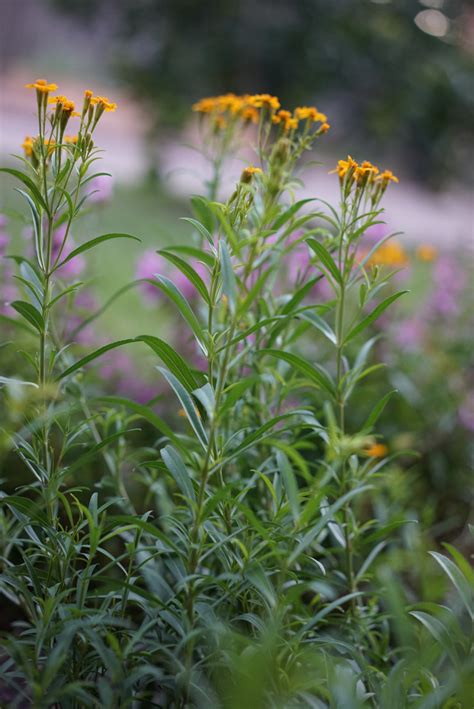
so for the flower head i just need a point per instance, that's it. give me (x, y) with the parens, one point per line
(387, 176)
(345, 167)
(264, 101)
(28, 145)
(377, 450)
(249, 172)
(103, 103)
(310, 113)
(42, 86)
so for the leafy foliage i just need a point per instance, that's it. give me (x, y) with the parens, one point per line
(255, 566)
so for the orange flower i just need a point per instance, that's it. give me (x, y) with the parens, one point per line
(250, 114)
(67, 106)
(387, 176)
(310, 113)
(27, 146)
(103, 103)
(249, 172)
(205, 105)
(426, 252)
(345, 166)
(389, 254)
(220, 123)
(377, 450)
(264, 101)
(365, 171)
(324, 128)
(42, 86)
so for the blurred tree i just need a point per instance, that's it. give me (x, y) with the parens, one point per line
(398, 74)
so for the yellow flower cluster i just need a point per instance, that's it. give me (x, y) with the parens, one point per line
(247, 108)
(92, 109)
(64, 105)
(43, 87)
(29, 144)
(364, 173)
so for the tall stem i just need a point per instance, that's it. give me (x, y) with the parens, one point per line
(340, 314)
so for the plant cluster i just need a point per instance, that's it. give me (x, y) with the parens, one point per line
(242, 554)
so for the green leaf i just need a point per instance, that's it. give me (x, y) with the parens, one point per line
(290, 484)
(144, 411)
(313, 372)
(200, 227)
(16, 382)
(464, 588)
(93, 450)
(92, 243)
(437, 629)
(169, 288)
(147, 527)
(290, 212)
(29, 183)
(327, 517)
(92, 356)
(36, 226)
(172, 360)
(320, 325)
(329, 608)
(64, 293)
(189, 272)
(178, 470)
(260, 580)
(30, 313)
(291, 305)
(325, 258)
(202, 211)
(378, 410)
(26, 507)
(376, 312)
(17, 323)
(198, 254)
(229, 285)
(188, 406)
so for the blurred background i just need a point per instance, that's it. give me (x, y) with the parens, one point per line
(396, 78)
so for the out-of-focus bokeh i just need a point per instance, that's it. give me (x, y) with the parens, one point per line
(396, 78)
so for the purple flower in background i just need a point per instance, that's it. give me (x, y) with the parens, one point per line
(8, 290)
(4, 237)
(409, 334)
(100, 189)
(73, 268)
(297, 260)
(120, 370)
(374, 234)
(466, 412)
(86, 300)
(449, 281)
(150, 263)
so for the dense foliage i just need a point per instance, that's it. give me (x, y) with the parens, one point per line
(237, 540)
